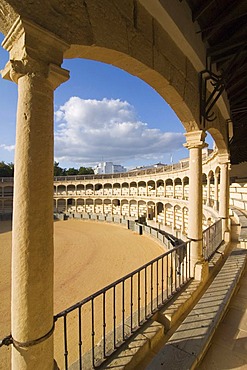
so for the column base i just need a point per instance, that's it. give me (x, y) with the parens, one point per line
(201, 271)
(227, 236)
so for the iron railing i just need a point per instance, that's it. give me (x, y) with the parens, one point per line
(88, 332)
(212, 239)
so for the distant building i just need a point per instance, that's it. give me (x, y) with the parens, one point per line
(108, 167)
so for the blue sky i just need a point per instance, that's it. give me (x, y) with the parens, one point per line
(101, 113)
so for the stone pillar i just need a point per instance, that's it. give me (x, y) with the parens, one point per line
(174, 188)
(35, 66)
(216, 191)
(224, 194)
(183, 189)
(208, 190)
(164, 188)
(195, 143)
(174, 219)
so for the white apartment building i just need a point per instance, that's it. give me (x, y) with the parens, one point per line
(108, 167)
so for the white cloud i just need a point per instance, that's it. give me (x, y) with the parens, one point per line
(9, 148)
(89, 130)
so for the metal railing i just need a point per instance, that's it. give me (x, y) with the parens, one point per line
(212, 239)
(88, 332)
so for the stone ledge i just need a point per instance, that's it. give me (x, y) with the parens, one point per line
(189, 343)
(136, 349)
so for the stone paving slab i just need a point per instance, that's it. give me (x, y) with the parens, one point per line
(190, 341)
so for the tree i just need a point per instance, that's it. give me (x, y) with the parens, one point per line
(6, 169)
(85, 171)
(71, 171)
(58, 171)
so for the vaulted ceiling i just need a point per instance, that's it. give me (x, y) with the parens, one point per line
(223, 28)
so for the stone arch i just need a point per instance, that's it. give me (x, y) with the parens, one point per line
(61, 205)
(116, 188)
(160, 212)
(150, 210)
(186, 188)
(128, 36)
(98, 189)
(107, 189)
(151, 188)
(61, 189)
(125, 188)
(116, 207)
(142, 188)
(125, 207)
(89, 205)
(89, 189)
(80, 189)
(8, 191)
(160, 187)
(80, 205)
(169, 188)
(142, 208)
(71, 189)
(98, 206)
(177, 188)
(133, 208)
(107, 206)
(133, 188)
(168, 214)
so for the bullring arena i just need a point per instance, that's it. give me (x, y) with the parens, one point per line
(95, 238)
(166, 312)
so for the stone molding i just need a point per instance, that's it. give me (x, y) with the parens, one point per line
(195, 139)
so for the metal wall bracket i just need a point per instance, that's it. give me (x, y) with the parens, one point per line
(208, 100)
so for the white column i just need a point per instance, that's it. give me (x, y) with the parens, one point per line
(224, 193)
(195, 143)
(32, 243)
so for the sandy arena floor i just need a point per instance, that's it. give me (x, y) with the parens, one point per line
(104, 252)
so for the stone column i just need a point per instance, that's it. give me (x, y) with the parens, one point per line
(195, 143)
(174, 188)
(174, 218)
(208, 190)
(183, 189)
(224, 194)
(35, 66)
(164, 188)
(216, 191)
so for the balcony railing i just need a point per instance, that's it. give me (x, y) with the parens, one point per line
(212, 239)
(91, 330)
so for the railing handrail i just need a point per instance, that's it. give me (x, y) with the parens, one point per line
(120, 280)
(209, 227)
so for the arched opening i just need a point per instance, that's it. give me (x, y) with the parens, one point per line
(160, 188)
(99, 206)
(80, 189)
(169, 188)
(71, 189)
(116, 207)
(142, 188)
(116, 189)
(160, 212)
(80, 205)
(61, 205)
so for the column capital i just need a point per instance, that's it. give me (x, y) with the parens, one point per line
(34, 51)
(223, 158)
(195, 139)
